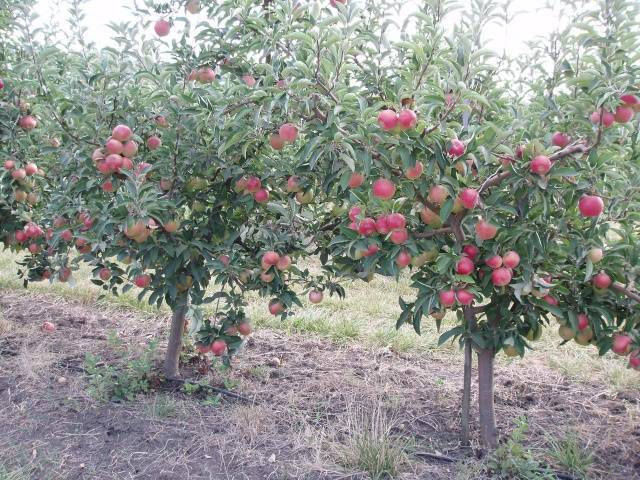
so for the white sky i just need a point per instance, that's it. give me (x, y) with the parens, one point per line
(525, 27)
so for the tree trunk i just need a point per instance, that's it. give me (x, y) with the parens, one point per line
(174, 345)
(469, 316)
(488, 430)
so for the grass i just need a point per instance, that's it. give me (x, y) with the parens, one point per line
(366, 316)
(572, 457)
(7, 473)
(162, 406)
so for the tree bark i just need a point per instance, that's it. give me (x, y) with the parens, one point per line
(469, 316)
(174, 344)
(488, 430)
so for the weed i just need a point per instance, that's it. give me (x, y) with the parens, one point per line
(570, 455)
(162, 406)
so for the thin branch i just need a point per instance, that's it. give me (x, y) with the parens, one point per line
(621, 288)
(434, 233)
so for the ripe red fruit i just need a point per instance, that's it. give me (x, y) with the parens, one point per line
(276, 307)
(438, 194)
(129, 149)
(276, 142)
(623, 114)
(601, 280)
(193, 6)
(465, 266)
(430, 217)
(34, 248)
(583, 321)
(403, 259)
(634, 360)
(381, 225)
(218, 347)
(142, 281)
(315, 296)
(595, 255)
(383, 189)
(48, 327)
(511, 259)
(31, 169)
(471, 251)
(270, 258)
(113, 146)
(19, 174)
(456, 148)
(407, 119)
(105, 274)
(28, 122)
(367, 227)
(244, 328)
(21, 236)
(607, 118)
(261, 196)
(1, 84)
(65, 274)
(495, 261)
(122, 133)
(398, 237)
(253, 184)
(284, 263)
(560, 139)
(485, 230)
(162, 28)
(354, 213)
(447, 298)
(249, 81)
(206, 75)
(372, 250)
(154, 142)
(630, 99)
(66, 235)
(540, 165)
(356, 180)
(469, 198)
(9, 164)
(621, 344)
(551, 300)
(224, 259)
(465, 297)
(395, 221)
(590, 205)
(202, 348)
(293, 184)
(519, 151)
(501, 277)
(288, 132)
(414, 172)
(107, 186)
(388, 119)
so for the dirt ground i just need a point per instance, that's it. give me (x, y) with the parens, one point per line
(303, 392)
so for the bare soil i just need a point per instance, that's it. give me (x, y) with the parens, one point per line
(301, 393)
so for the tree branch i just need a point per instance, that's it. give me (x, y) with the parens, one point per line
(628, 292)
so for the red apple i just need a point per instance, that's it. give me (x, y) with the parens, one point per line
(447, 298)
(48, 327)
(206, 75)
(129, 149)
(456, 148)
(154, 142)
(495, 261)
(193, 6)
(372, 250)
(356, 180)
(21, 236)
(253, 184)
(31, 169)
(381, 225)
(630, 100)
(354, 213)
(403, 259)
(113, 146)
(218, 347)
(471, 251)
(511, 259)
(293, 184)
(634, 360)
(367, 227)
(623, 114)
(276, 307)
(399, 237)
(595, 255)
(601, 280)
(104, 274)
(414, 172)
(485, 230)
(407, 119)
(270, 258)
(9, 164)
(519, 151)
(28, 122)
(607, 118)
(249, 81)
(590, 205)
(122, 133)
(383, 189)
(19, 174)
(162, 28)
(560, 139)
(261, 196)
(66, 235)
(388, 119)
(583, 321)
(315, 296)
(551, 300)
(430, 217)
(621, 344)
(465, 266)
(276, 142)
(288, 132)
(107, 186)
(283, 263)
(469, 198)
(395, 221)
(438, 194)
(540, 165)
(501, 277)
(142, 281)
(464, 297)
(244, 328)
